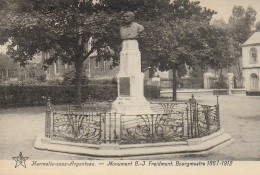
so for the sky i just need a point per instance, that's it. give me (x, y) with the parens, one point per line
(222, 7)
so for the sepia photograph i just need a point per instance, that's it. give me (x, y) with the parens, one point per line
(130, 87)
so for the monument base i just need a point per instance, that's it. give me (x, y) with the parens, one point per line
(131, 106)
(198, 147)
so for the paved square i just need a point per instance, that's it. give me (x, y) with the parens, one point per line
(240, 117)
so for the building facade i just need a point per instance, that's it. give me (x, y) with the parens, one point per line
(93, 68)
(251, 63)
(100, 69)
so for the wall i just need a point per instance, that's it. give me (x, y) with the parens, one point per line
(103, 71)
(250, 68)
(247, 73)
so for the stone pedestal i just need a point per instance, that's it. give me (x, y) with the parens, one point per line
(230, 82)
(130, 80)
(207, 77)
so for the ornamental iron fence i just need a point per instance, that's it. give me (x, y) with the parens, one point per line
(94, 123)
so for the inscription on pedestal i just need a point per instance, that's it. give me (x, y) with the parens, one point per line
(124, 86)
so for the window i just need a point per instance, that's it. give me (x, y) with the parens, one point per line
(97, 63)
(254, 82)
(253, 55)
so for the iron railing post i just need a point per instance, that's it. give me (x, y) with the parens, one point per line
(120, 127)
(110, 127)
(152, 127)
(217, 113)
(48, 118)
(206, 112)
(196, 119)
(100, 125)
(191, 115)
(115, 128)
(188, 123)
(105, 128)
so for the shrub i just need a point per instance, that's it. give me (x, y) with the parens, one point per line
(220, 92)
(253, 93)
(112, 81)
(69, 78)
(191, 82)
(151, 91)
(219, 83)
(99, 92)
(21, 96)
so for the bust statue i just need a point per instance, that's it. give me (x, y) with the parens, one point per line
(130, 30)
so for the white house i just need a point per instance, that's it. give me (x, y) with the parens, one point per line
(251, 63)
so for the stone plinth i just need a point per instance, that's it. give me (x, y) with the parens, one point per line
(130, 79)
(199, 146)
(207, 77)
(230, 82)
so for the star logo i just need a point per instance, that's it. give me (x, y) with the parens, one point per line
(20, 160)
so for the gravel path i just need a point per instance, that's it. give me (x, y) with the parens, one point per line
(240, 117)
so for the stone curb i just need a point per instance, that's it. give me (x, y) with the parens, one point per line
(199, 146)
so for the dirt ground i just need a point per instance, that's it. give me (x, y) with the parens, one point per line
(240, 117)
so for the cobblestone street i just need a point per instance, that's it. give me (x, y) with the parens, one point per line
(240, 117)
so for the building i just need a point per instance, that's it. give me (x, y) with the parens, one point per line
(102, 69)
(251, 63)
(93, 68)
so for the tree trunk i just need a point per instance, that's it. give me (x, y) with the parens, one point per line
(78, 67)
(239, 68)
(221, 72)
(174, 84)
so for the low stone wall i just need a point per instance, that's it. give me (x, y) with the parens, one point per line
(220, 92)
(168, 93)
(189, 92)
(238, 91)
(253, 93)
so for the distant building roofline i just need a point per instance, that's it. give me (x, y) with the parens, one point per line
(254, 44)
(253, 40)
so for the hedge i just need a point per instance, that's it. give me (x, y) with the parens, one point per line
(22, 96)
(220, 92)
(253, 93)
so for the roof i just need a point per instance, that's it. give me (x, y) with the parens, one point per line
(253, 40)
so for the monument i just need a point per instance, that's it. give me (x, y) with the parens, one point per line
(130, 98)
(132, 128)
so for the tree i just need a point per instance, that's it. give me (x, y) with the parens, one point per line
(241, 24)
(65, 26)
(257, 26)
(221, 42)
(180, 37)
(175, 34)
(7, 67)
